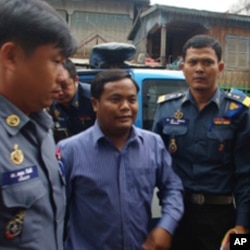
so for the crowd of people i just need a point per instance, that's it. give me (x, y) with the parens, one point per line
(77, 174)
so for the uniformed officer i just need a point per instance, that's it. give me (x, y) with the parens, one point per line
(72, 111)
(207, 132)
(34, 42)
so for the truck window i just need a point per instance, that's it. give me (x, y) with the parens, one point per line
(151, 90)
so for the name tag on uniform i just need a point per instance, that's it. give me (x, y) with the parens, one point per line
(177, 122)
(20, 175)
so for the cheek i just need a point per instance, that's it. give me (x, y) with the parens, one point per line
(134, 108)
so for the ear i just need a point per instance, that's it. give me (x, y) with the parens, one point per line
(76, 79)
(181, 65)
(221, 66)
(95, 104)
(8, 55)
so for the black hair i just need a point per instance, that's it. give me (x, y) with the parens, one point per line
(70, 67)
(202, 41)
(32, 23)
(103, 77)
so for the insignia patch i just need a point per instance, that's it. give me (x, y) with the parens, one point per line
(85, 118)
(58, 154)
(178, 114)
(16, 156)
(172, 146)
(239, 96)
(57, 113)
(77, 104)
(15, 225)
(222, 121)
(167, 97)
(246, 101)
(13, 120)
(233, 106)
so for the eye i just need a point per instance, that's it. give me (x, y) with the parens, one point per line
(133, 100)
(115, 99)
(208, 62)
(192, 62)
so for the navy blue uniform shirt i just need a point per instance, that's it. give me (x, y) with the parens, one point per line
(78, 117)
(210, 148)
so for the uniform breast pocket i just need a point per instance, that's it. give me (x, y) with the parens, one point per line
(220, 140)
(19, 202)
(174, 131)
(174, 135)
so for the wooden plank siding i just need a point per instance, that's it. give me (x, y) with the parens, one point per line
(231, 77)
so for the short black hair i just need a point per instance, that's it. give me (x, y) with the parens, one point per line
(32, 23)
(103, 77)
(70, 67)
(202, 41)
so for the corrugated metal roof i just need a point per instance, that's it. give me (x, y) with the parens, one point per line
(241, 21)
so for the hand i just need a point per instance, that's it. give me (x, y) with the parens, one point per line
(158, 239)
(240, 230)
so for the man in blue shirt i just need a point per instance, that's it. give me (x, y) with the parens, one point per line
(72, 111)
(111, 171)
(207, 132)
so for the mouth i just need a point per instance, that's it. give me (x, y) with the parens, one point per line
(124, 118)
(199, 79)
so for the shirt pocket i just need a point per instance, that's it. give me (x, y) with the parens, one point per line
(220, 141)
(21, 197)
(141, 182)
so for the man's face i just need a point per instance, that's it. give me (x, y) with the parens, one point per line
(68, 88)
(202, 69)
(32, 79)
(117, 108)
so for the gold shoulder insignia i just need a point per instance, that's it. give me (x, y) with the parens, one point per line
(243, 99)
(246, 101)
(167, 97)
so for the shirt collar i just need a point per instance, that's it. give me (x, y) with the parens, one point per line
(135, 133)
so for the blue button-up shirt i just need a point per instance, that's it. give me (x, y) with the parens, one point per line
(110, 191)
(210, 148)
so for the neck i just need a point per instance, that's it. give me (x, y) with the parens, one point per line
(202, 97)
(119, 139)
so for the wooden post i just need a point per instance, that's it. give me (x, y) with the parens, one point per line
(163, 45)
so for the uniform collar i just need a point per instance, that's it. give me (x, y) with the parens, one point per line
(75, 100)
(13, 119)
(215, 98)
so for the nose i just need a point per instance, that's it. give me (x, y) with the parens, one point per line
(199, 67)
(125, 104)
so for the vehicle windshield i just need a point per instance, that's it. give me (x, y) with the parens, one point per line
(151, 90)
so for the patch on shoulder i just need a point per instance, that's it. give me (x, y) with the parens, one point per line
(239, 97)
(167, 97)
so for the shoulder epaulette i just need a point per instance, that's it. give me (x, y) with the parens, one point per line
(167, 97)
(239, 97)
